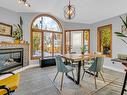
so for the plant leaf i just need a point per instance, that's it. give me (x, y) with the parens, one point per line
(125, 23)
(21, 21)
(120, 34)
(117, 32)
(126, 18)
(19, 27)
(124, 41)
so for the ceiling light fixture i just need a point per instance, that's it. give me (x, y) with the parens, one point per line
(24, 2)
(69, 11)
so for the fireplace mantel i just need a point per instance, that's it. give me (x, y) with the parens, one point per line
(25, 50)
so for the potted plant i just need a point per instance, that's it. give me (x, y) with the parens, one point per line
(106, 41)
(122, 37)
(18, 32)
(83, 49)
(121, 34)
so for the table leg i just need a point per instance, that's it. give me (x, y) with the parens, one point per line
(124, 84)
(78, 74)
(91, 73)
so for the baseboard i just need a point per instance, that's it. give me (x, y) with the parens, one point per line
(114, 69)
(19, 70)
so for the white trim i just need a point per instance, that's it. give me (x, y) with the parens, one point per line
(19, 70)
(114, 69)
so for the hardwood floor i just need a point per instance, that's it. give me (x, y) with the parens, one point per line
(39, 81)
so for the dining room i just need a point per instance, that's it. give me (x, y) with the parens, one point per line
(67, 47)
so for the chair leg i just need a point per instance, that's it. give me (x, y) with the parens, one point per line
(90, 74)
(83, 67)
(76, 69)
(83, 74)
(73, 75)
(62, 81)
(102, 77)
(95, 80)
(55, 76)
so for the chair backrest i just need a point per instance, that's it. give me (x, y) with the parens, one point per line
(59, 64)
(97, 65)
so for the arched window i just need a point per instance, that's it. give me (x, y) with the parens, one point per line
(46, 36)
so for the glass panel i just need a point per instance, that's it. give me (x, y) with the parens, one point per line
(86, 41)
(47, 48)
(46, 23)
(57, 43)
(105, 40)
(37, 38)
(76, 41)
(68, 42)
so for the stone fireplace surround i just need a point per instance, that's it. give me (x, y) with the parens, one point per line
(15, 48)
(11, 58)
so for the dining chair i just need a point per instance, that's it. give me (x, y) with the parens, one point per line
(61, 67)
(96, 67)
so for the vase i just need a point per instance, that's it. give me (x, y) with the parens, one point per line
(82, 52)
(106, 50)
(17, 41)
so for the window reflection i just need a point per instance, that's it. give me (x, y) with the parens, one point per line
(105, 40)
(46, 37)
(37, 44)
(46, 23)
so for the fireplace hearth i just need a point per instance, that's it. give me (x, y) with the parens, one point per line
(10, 59)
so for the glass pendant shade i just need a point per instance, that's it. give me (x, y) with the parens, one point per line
(69, 11)
(24, 2)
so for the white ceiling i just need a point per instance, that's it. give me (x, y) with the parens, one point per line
(87, 11)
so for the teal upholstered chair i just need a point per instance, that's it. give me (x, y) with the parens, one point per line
(96, 68)
(61, 67)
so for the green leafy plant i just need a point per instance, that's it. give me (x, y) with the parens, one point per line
(36, 42)
(106, 38)
(83, 49)
(121, 34)
(18, 32)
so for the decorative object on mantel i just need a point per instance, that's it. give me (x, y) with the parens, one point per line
(25, 2)
(122, 34)
(5, 29)
(18, 33)
(12, 44)
(69, 11)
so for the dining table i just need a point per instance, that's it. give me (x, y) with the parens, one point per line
(79, 58)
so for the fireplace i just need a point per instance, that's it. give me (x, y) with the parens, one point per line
(10, 59)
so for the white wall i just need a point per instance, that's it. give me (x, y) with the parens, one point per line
(117, 45)
(8, 17)
(68, 25)
(27, 20)
(28, 17)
